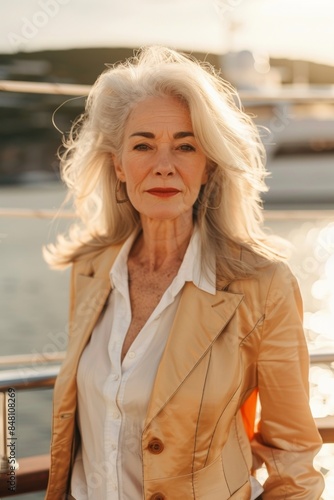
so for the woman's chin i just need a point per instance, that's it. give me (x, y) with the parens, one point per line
(164, 214)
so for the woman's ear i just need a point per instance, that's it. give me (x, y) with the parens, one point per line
(118, 167)
(206, 174)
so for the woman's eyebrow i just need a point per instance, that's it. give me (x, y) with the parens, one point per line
(150, 135)
(181, 135)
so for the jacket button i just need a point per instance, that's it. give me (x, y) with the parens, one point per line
(158, 496)
(156, 446)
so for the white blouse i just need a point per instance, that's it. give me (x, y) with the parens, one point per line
(112, 396)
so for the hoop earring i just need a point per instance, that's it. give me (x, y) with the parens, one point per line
(117, 190)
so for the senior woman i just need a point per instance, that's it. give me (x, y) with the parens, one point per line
(181, 309)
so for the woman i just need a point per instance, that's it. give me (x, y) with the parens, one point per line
(181, 310)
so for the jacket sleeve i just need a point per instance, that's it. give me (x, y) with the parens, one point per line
(288, 439)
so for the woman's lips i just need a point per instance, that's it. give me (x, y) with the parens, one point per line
(163, 192)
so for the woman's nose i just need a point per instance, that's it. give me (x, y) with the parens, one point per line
(164, 164)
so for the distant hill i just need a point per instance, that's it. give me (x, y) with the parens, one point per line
(78, 65)
(85, 64)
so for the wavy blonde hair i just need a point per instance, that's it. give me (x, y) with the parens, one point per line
(228, 211)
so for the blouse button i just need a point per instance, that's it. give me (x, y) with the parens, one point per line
(158, 496)
(155, 446)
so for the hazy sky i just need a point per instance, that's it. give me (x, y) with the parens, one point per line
(290, 28)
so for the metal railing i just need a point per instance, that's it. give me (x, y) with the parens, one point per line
(296, 93)
(17, 380)
(26, 378)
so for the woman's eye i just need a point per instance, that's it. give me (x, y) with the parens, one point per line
(187, 147)
(141, 147)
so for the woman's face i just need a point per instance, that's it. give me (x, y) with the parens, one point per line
(161, 163)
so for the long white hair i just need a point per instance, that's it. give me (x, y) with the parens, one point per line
(228, 210)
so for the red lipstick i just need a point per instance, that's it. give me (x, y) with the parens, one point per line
(163, 192)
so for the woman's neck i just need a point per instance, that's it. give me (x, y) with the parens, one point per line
(162, 243)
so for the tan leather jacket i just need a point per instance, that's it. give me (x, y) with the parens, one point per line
(194, 445)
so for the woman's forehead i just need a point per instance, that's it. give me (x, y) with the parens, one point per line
(159, 112)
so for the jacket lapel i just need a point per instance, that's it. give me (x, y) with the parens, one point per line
(199, 320)
(92, 288)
